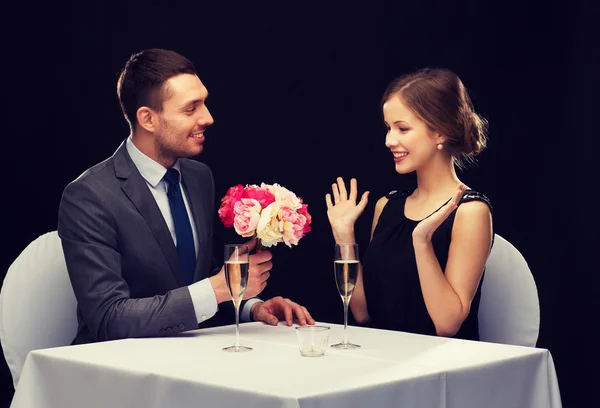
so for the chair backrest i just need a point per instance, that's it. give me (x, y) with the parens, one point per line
(509, 311)
(38, 308)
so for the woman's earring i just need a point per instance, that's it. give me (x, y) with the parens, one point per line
(440, 146)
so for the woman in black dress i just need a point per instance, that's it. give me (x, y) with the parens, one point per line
(423, 268)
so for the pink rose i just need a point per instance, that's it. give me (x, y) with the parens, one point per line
(246, 215)
(291, 225)
(304, 211)
(234, 194)
(260, 194)
(284, 197)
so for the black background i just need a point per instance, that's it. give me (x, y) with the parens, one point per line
(295, 95)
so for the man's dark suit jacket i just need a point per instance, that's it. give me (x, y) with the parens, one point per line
(120, 255)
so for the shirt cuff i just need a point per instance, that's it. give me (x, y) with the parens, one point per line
(204, 300)
(245, 314)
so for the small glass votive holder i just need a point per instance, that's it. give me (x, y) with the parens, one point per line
(312, 340)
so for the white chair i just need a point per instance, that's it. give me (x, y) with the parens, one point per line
(509, 311)
(38, 308)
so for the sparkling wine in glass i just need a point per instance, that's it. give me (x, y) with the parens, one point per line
(345, 267)
(237, 263)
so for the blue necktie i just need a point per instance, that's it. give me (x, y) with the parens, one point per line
(183, 228)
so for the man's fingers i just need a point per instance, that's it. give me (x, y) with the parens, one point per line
(256, 271)
(287, 312)
(300, 315)
(309, 318)
(260, 263)
(266, 316)
(264, 267)
(261, 287)
(252, 244)
(261, 257)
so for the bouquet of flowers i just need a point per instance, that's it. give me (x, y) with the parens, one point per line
(270, 212)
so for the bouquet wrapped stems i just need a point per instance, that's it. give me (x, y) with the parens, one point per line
(260, 247)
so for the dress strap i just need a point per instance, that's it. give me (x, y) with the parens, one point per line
(394, 194)
(472, 195)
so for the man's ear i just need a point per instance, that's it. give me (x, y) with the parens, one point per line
(146, 118)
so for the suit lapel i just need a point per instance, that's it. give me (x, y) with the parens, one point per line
(197, 208)
(134, 186)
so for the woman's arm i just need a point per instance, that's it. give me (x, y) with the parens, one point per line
(343, 211)
(358, 302)
(448, 295)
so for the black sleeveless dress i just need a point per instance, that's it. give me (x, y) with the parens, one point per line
(391, 280)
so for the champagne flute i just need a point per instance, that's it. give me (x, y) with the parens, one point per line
(237, 263)
(345, 266)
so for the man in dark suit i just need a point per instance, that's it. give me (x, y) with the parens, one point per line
(137, 228)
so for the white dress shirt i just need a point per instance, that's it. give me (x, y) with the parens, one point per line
(202, 293)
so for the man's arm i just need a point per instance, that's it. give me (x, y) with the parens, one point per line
(90, 242)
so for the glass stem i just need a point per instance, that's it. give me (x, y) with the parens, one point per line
(346, 301)
(237, 323)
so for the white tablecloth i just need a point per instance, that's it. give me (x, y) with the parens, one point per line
(392, 369)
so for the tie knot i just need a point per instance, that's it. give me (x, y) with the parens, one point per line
(172, 177)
